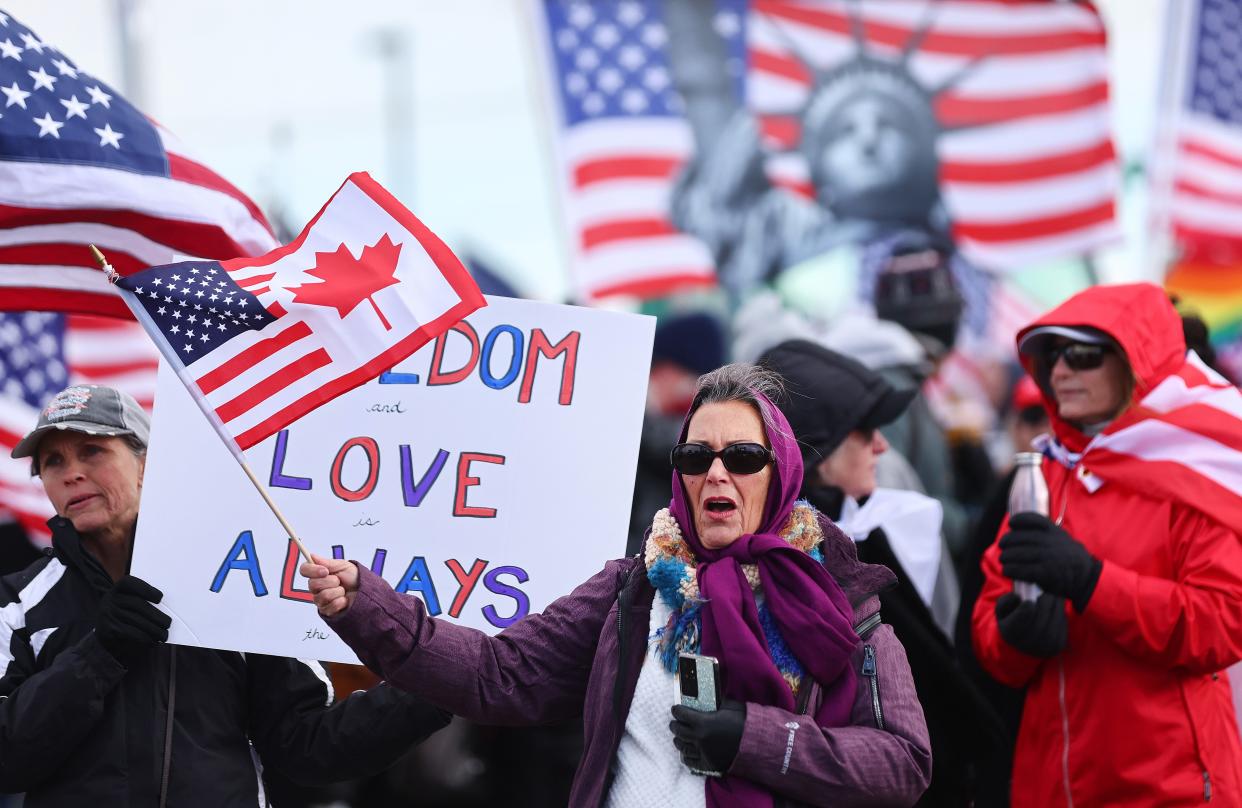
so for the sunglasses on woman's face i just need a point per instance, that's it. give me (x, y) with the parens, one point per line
(738, 458)
(1077, 355)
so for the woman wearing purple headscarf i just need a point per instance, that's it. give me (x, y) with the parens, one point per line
(818, 706)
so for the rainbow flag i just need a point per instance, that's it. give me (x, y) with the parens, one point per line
(1213, 292)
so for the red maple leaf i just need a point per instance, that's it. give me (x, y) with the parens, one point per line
(347, 281)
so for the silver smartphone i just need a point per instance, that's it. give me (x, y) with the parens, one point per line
(698, 682)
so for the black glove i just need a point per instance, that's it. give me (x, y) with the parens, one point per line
(708, 742)
(1038, 628)
(127, 623)
(1039, 551)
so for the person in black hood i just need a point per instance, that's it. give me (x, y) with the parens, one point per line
(836, 406)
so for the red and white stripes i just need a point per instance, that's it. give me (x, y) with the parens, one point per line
(1206, 204)
(1190, 442)
(620, 178)
(50, 212)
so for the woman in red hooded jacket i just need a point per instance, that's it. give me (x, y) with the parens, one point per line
(1139, 560)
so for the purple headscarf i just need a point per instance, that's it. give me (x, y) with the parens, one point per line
(810, 609)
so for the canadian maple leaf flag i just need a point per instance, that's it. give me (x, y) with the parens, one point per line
(262, 341)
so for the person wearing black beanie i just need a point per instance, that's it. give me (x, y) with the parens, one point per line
(836, 407)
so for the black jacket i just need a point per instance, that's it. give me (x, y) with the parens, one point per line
(965, 732)
(77, 728)
(1006, 701)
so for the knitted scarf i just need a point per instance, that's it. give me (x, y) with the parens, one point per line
(672, 570)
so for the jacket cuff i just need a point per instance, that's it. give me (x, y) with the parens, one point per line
(1111, 602)
(760, 754)
(1081, 600)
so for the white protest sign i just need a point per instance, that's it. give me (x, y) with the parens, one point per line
(488, 474)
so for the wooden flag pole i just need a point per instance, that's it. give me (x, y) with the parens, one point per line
(240, 458)
(279, 516)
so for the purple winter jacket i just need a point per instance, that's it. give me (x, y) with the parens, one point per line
(582, 655)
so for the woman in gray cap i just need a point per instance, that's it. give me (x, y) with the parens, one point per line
(95, 708)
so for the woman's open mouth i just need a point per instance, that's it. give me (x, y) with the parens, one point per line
(719, 508)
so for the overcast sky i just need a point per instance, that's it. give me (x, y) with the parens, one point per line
(286, 98)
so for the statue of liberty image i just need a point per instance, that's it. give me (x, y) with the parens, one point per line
(869, 133)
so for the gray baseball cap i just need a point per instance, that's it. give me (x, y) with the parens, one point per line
(1037, 339)
(90, 408)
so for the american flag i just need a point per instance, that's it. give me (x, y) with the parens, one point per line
(41, 353)
(1027, 166)
(623, 142)
(1205, 205)
(80, 165)
(260, 342)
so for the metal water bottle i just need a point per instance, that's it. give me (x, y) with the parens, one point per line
(1029, 492)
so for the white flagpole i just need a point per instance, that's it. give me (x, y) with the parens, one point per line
(212, 418)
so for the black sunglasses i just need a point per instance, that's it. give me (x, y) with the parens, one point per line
(1077, 355)
(738, 458)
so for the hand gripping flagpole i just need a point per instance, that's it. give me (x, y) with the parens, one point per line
(212, 418)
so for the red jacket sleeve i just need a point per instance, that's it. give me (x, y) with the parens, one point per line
(1005, 663)
(1193, 621)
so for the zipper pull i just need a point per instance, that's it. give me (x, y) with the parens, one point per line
(868, 666)
(1207, 787)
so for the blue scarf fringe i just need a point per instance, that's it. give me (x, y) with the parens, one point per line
(682, 633)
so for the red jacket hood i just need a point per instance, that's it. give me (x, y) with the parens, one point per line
(1139, 318)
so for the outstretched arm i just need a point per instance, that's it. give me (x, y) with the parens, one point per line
(533, 672)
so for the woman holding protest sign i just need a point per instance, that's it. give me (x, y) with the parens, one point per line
(817, 703)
